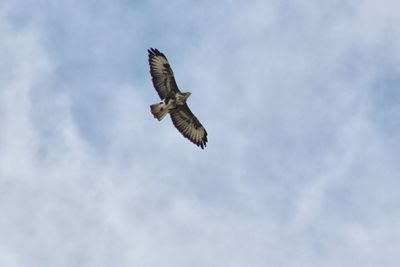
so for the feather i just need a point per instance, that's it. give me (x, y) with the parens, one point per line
(189, 126)
(162, 74)
(159, 110)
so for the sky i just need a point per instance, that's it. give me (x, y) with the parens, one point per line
(300, 99)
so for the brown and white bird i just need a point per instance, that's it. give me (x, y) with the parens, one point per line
(173, 100)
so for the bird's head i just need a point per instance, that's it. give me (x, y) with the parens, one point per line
(186, 95)
(182, 97)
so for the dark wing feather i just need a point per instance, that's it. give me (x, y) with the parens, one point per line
(189, 125)
(161, 73)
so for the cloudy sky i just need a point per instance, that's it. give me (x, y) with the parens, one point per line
(301, 100)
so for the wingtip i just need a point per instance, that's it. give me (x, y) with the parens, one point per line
(203, 144)
(153, 51)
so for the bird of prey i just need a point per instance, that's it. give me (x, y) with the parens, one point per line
(173, 100)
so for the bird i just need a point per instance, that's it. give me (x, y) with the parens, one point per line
(173, 101)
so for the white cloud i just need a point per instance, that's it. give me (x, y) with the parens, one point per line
(297, 171)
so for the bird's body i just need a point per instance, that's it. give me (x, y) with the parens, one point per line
(173, 100)
(169, 103)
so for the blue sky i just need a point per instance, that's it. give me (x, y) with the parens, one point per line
(300, 99)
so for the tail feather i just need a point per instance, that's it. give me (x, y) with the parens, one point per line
(159, 110)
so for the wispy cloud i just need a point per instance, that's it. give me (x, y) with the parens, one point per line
(300, 102)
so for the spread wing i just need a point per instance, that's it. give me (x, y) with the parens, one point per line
(189, 125)
(161, 73)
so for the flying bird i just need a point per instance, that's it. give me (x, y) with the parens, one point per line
(173, 101)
